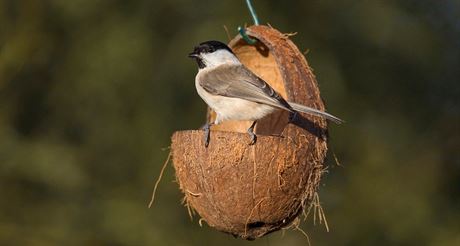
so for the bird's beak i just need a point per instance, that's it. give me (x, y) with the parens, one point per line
(193, 55)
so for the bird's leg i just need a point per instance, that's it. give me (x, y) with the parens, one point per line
(252, 134)
(207, 133)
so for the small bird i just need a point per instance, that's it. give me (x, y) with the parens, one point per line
(236, 93)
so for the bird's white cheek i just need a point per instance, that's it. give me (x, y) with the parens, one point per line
(218, 58)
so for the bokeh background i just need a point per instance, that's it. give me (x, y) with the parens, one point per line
(91, 91)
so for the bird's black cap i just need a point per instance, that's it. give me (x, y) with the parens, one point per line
(209, 47)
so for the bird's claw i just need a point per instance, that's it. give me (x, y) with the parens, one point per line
(253, 138)
(207, 134)
(252, 134)
(206, 137)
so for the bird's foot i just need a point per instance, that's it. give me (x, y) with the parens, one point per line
(253, 138)
(207, 133)
(252, 134)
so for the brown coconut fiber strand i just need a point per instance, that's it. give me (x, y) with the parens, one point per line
(159, 179)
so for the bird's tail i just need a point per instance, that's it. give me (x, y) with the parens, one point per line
(308, 110)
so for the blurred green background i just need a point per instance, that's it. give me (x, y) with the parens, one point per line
(91, 91)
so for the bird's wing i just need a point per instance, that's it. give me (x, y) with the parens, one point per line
(238, 82)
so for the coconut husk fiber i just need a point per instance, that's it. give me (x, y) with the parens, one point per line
(252, 190)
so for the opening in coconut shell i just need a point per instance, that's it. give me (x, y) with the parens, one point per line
(251, 190)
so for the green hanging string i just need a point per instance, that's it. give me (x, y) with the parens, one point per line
(242, 30)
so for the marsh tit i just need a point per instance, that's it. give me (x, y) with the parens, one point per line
(236, 93)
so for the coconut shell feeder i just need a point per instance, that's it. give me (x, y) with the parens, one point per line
(252, 190)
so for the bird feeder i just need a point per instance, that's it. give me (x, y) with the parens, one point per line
(252, 190)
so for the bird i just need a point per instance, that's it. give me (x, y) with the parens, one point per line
(235, 93)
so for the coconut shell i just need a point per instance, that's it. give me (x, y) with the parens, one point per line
(251, 190)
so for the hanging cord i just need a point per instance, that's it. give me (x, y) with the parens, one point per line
(242, 30)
